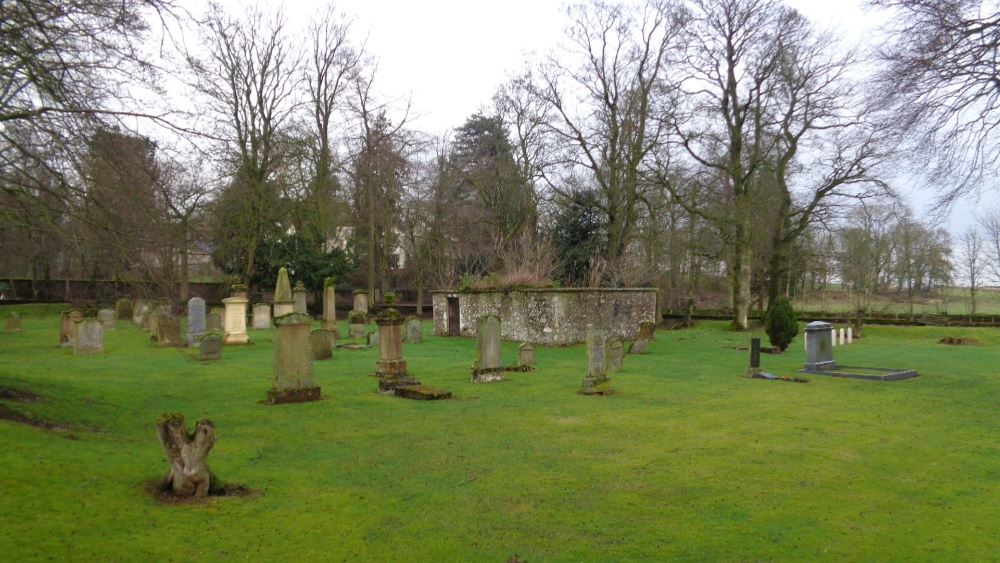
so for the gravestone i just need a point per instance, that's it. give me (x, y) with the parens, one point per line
(819, 346)
(754, 368)
(235, 321)
(647, 331)
(108, 318)
(850, 335)
(283, 301)
(13, 323)
(390, 368)
(123, 308)
(414, 331)
(488, 367)
(294, 381)
(639, 346)
(210, 347)
(597, 381)
(67, 326)
(373, 338)
(330, 306)
(213, 321)
(360, 300)
(168, 331)
(616, 351)
(299, 296)
(357, 321)
(89, 337)
(151, 319)
(196, 320)
(139, 312)
(261, 316)
(322, 341)
(843, 337)
(526, 356)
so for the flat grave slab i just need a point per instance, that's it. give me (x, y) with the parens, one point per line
(866, 374)
(421, 393)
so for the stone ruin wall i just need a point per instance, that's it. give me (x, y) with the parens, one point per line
(550, 316)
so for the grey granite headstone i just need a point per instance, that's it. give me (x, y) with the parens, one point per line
(414, 331)
(488, 366)
(322, 341)
(597, 381)
(261, 316)
(108, 318)
(210, 347)
(196, 319)
(819, 346)
(89, 337)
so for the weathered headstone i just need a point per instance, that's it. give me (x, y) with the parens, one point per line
(754, 368)
(357, 321)
(123, 308)
(210, 347)
(13, 323)
(196, 320)
(299, 296)
(616, 351)
(235, 320)
(151, 320)
(414, 331)
(373, 337)
(360, 300)
(168, 331)
(89, 337)
(819, 346)
(391, 367)
(597, 381)
(639, 346)
(850, 335)
(330, 306)
(488, 367)
(108, 318)
(68, 325)
(283, 302)
(294, 381)
(213, 320)
(139, 312)
(526, 356)
(323, 342)
(843, 336)
(261, 316)
(647, 331)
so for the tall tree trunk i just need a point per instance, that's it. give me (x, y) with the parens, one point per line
(185, 282)
(741, 278)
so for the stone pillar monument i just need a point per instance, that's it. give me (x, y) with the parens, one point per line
(390, 367)
(283, 302)
(299, 296)
(360, 300)
(330, 305)
(597, 381)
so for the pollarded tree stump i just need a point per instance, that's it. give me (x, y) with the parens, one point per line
(189, 475)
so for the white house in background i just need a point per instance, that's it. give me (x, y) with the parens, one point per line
(338, 240)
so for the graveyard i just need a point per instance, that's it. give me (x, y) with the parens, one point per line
(686, 458)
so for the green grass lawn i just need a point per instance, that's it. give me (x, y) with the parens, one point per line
(687, 461)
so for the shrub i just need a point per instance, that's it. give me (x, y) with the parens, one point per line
(781, 324)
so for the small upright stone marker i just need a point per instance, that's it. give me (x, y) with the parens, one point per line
(13, 323)
(597, 381)
(357, 321)
(414, 331)
(168, 331)
(843, 336)
(616, 352)
(196, 320)
(754, 368)
(330, 305)
(210, 347)
(361, 300)
(850, 335)
(488, 367)
(139, 312)
(299, 296)
(526, 356)
(322, 341)
(294, 381)
(283, 302)
(108, 318)
(67, 326)
(123, 308)
(373, 338)
(235, 330)
(213, 321)
(819, 346)
(647, 331)
(89, 337)
(261, 316)
(639, 346)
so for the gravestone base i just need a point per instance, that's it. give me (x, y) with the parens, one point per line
(389, 385)
(304, 395)
(353, 346)
(523, 369)
(421, 393)
(358, 331)
(595, 386)
(821, 366)
(489, 375)
(243, 338)
(864, 373)
(390, 368)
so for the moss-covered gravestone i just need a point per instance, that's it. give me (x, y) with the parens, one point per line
(13, 323)
(322, 344)
(213, 321)
(597, 381)
(357, 321)
(647, 331)
(283, 302)
(294, 381)
(393, 377)
(123, 308)
(168, 332)
(616, 352)
(210, 347)
(526, 356)
(488, 367)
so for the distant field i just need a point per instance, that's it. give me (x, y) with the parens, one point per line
(954, 301)
(688, 460)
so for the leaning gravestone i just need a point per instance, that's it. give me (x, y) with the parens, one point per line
(196, 320)
(330, 305)
(616, 351)
(414, 331)
(67, 326)
(819, 346)
(488, 367)
(107, 318)
(168, 331)
(210, 347)
(123, 308)
(322, 341)
(526, 356)
(357, 320)
(13, 323)
(597, 381)
(294, 381)
(283, 301)
(261, 316)
(89, 337)
(213, 321)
